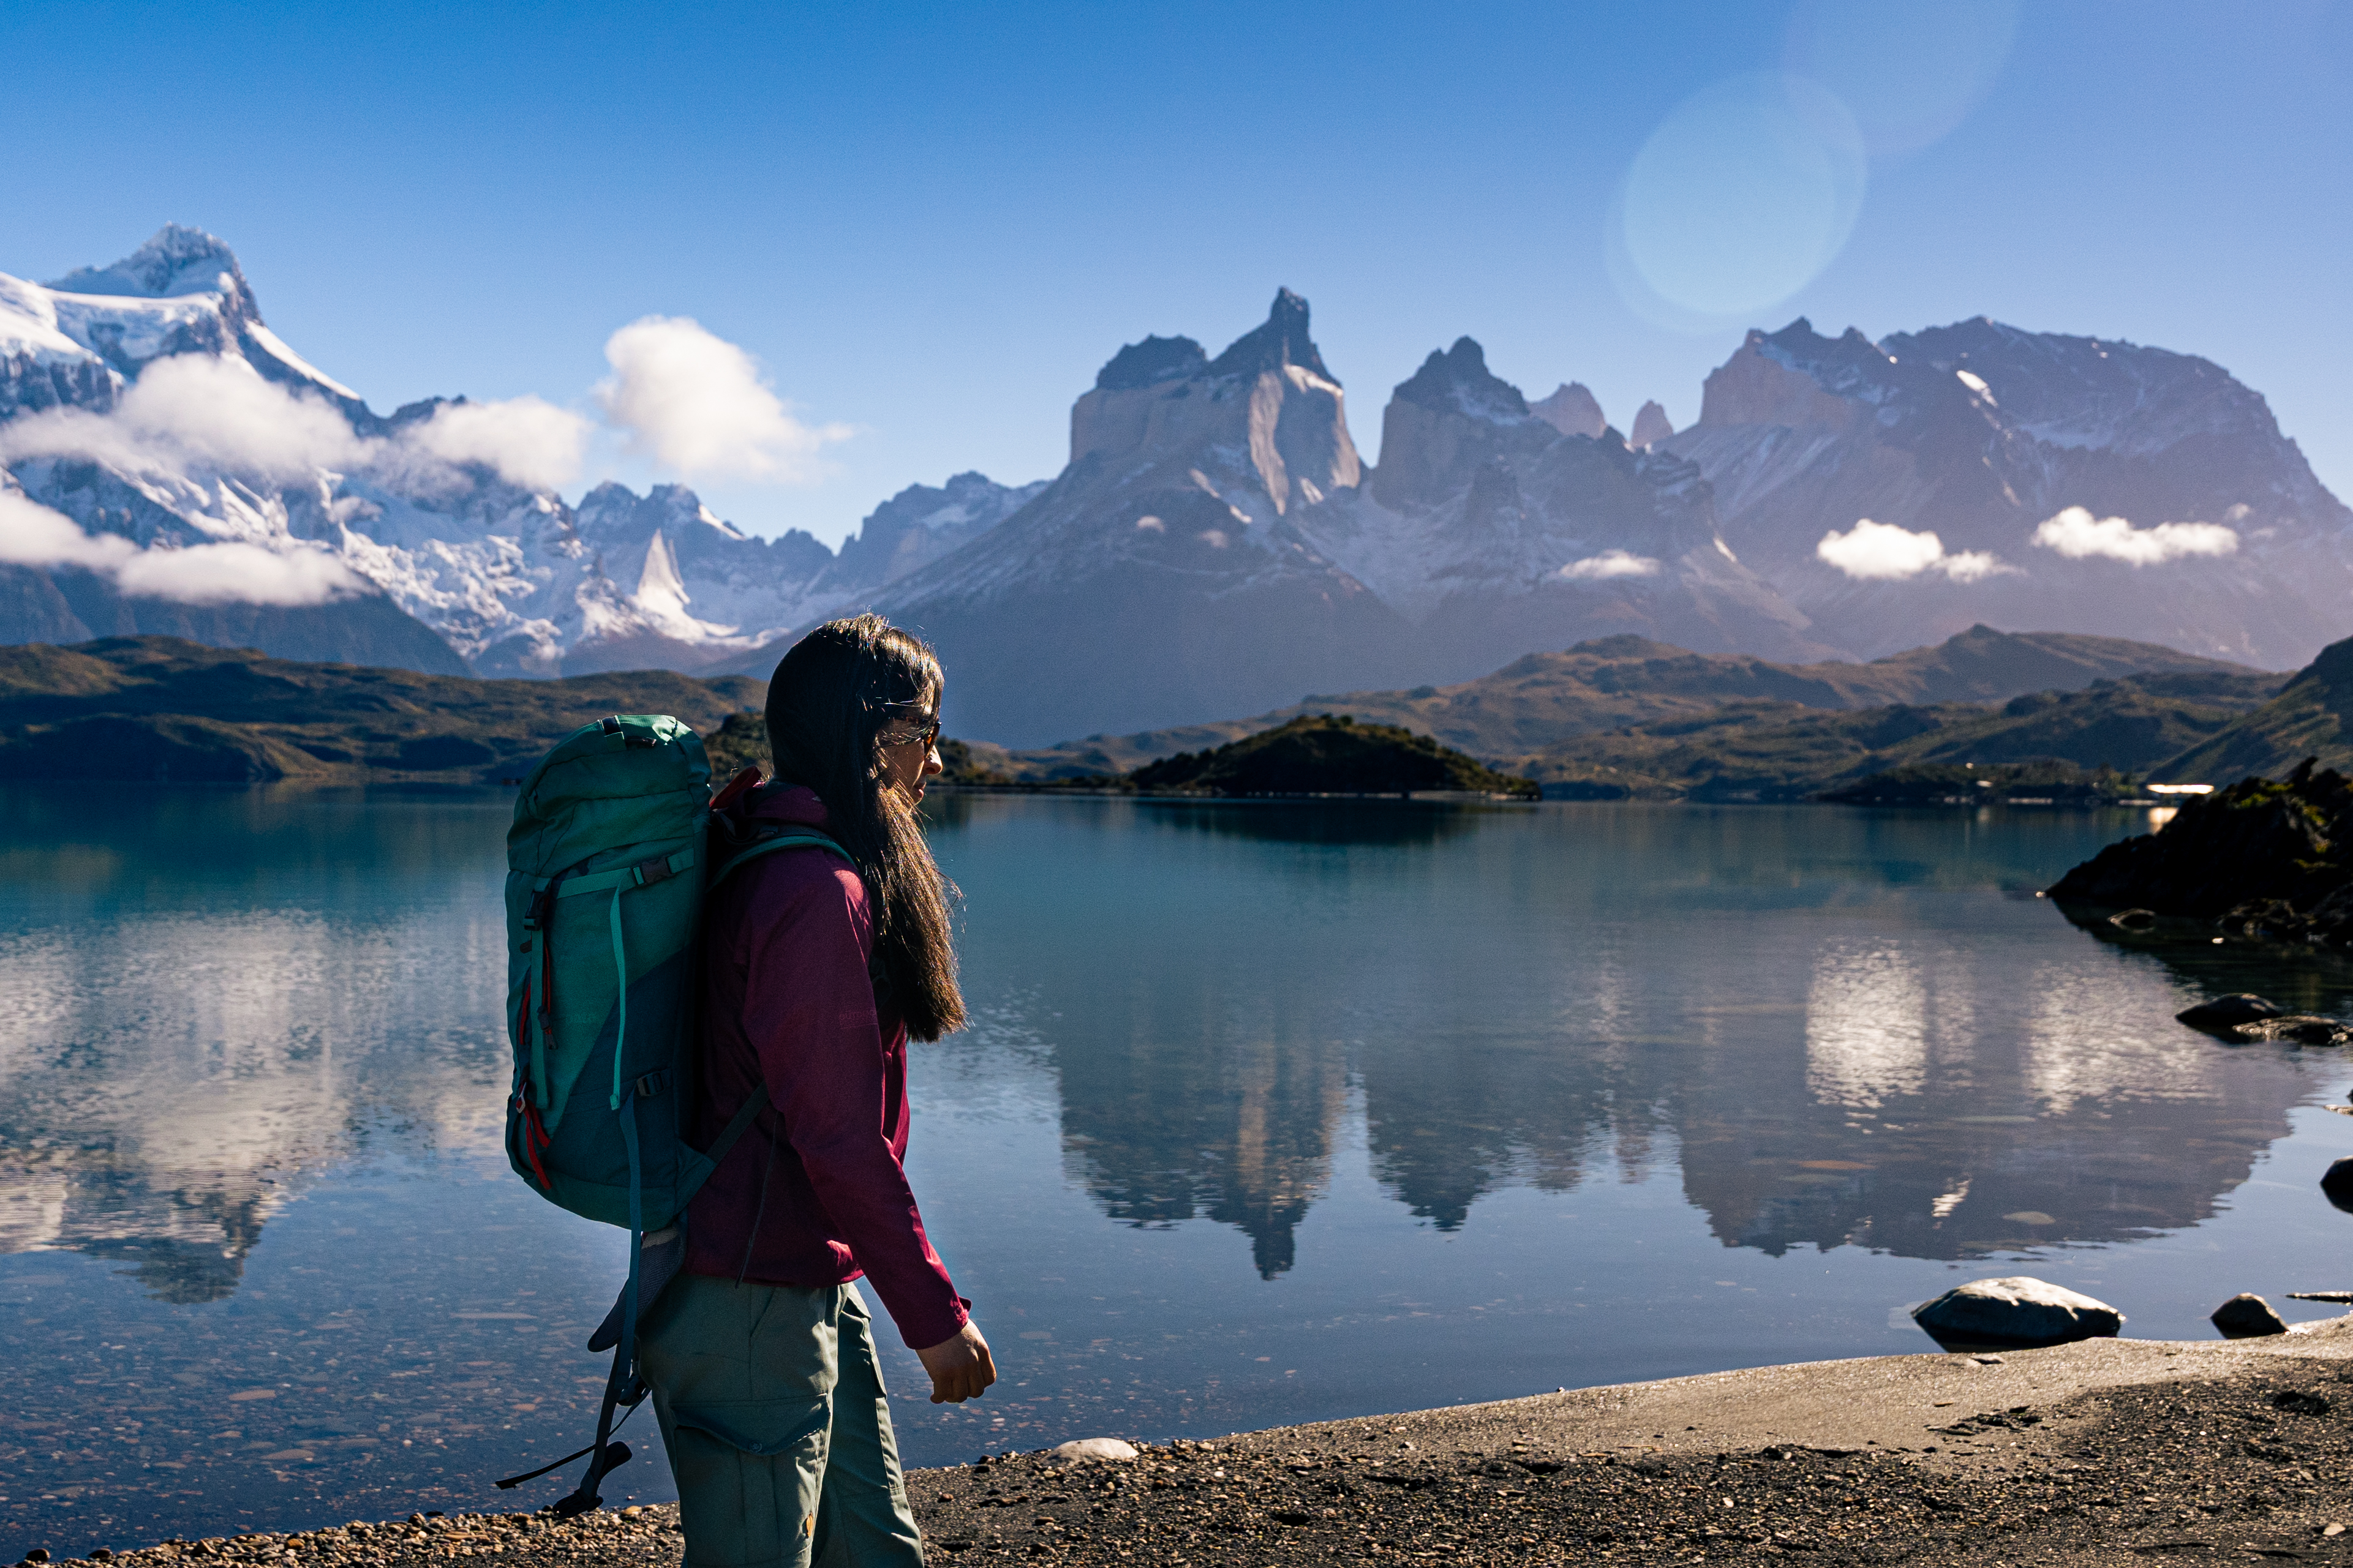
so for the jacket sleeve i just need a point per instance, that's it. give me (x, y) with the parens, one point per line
(809, 1007)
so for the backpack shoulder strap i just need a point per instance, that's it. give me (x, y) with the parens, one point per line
(792, 838)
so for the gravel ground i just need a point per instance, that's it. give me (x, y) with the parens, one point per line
(2244, 1457)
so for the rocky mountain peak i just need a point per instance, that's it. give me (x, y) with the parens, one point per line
(1283, 339)
(2099, 393)
(1458, 381)
(1650, 425)
(1152, 361)
(1572, 410)
(175, 261)
(1793, 377)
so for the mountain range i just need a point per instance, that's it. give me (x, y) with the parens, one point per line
(1215, 544)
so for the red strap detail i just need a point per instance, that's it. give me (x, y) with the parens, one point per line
(745, 781)
(535, 1138)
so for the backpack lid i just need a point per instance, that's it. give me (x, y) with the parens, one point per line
(625, 779)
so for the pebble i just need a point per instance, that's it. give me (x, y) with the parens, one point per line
(2218, 1468)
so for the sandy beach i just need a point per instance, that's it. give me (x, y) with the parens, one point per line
(2107, 1451)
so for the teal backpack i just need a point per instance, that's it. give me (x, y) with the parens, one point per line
(608, 864)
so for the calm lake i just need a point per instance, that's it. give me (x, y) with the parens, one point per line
(1271, 1113)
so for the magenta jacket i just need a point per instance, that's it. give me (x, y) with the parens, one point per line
(787, 1001)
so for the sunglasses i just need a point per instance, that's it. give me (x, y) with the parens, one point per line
(926, 735)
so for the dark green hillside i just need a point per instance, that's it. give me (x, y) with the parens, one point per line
(1546, 699)
(2044, 782)
(160, 707)
(2311, 716)
(1781, 751)
(1325, 755)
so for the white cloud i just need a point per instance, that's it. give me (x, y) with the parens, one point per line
(696, 403)
(33, 535)
(195, 409)
(1885, 553)
(527, 440)
(1609, 563)
(2078, 536)
(236, 572)
(231, 571)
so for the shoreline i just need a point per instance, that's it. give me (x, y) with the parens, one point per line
(2100, 1451)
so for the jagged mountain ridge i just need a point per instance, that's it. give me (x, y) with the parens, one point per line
(1216, 544)
(1980, 433)
(452, 566)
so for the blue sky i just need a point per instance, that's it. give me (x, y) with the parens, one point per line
(933, 224)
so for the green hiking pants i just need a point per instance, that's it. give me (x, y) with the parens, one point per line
(772, 1410)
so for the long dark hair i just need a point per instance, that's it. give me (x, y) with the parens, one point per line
(827, 701)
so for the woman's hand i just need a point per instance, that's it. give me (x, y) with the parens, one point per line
(960, 1367)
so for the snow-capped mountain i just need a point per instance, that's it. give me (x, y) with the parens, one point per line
(1216, 545)
(2068, 482)
(147, 404)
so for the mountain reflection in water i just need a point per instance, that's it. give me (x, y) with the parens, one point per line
(1476, 1100)
(217, 993)
(1838, 1050)
(221, 991)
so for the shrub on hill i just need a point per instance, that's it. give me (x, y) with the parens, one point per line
(1326, 755)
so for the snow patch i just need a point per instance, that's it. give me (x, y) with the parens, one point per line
(1610, 563)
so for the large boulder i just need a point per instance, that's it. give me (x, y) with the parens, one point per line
(2019, 1312)
(2224, 1014)
(2247, 1316)
(2337, 1182)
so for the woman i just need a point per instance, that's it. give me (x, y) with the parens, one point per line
(815, 973)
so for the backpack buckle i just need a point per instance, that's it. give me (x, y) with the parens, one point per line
(654, 870)
(652, 1084)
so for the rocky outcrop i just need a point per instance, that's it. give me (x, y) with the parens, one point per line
(1270, 393)
(1447, 424)
(2279, 855)
(1572, 410)
(1650, 425)
(1161, 577)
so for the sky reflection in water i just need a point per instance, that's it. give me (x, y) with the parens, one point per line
(1271, 1113)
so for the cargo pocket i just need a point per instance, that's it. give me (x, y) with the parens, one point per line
(750, 1474)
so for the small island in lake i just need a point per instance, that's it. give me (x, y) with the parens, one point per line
(1323, 754)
